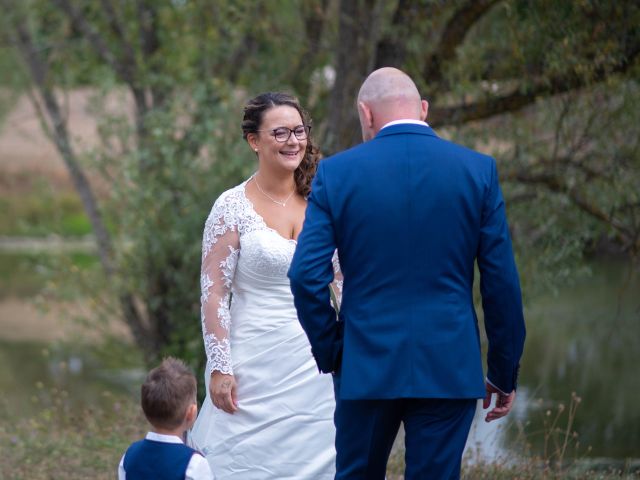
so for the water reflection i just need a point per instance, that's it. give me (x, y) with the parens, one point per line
(584, 340)
(31, 371)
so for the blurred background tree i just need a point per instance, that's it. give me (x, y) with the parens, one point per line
(549, 88)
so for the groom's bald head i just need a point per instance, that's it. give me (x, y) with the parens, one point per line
(388, 85)
(388, 94)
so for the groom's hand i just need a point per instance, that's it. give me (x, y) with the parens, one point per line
(222, 389)
(503, 402)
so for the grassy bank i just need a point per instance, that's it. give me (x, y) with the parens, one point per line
(69, 410)
(60, 442)
(42, 212)
(25, 275)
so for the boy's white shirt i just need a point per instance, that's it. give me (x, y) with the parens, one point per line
(197, 469)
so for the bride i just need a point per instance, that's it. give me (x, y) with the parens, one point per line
(268, 412)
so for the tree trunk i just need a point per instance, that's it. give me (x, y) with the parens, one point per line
(37, 68)
(359, 31)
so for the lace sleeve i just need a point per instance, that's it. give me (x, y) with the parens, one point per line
(220, 249)
(336, 285)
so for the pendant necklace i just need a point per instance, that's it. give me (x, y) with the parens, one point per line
(281, 203)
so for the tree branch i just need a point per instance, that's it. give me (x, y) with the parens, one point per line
(125, 70)
(452, 37)
(554, 183)
(519, 99)
(247, 48)
(315, 17)
(115, 23)
(38, 68)
(149, 46)
(95, 39)
(391, 50)
(148, 20)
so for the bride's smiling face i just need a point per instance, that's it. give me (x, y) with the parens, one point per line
(283, 154)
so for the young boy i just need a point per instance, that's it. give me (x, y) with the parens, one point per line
(168, 398)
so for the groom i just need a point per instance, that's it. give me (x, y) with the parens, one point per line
(409, 213)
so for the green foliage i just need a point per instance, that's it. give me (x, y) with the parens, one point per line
(568, 169)
(161, 207)
(25, 275)
(522, 41)
(11, 81)
(43, 211)
(179, 74)
(17, 277)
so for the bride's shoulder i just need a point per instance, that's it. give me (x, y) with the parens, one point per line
(230, 203)
(231, 196)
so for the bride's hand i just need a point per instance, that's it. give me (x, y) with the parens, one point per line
(222, 389)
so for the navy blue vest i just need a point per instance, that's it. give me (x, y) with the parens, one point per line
(148, 459)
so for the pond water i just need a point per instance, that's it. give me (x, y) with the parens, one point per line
(31, 373)
(582, 341)
(582, 353)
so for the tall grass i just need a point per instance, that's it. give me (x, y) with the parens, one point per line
(562, 456)
(61, 442)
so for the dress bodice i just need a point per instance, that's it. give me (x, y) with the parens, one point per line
(244, 259)
(266, 253)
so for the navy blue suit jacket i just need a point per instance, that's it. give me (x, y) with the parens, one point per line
(409, 213)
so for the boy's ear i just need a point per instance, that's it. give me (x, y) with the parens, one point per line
(192, 413)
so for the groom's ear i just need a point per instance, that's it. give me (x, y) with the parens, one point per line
(366, 117)
(424, 109)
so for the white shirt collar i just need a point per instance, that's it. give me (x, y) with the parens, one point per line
(405, 120)
(159, 437)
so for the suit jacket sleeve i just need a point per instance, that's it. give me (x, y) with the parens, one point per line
(310, 274)
(500, 289)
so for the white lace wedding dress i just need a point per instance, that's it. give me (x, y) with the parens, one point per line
(284, 426)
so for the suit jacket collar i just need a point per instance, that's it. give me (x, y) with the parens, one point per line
(406, 128)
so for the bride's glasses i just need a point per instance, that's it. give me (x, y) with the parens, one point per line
(282, 134)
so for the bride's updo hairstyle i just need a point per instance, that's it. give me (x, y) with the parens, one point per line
(254, 111)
